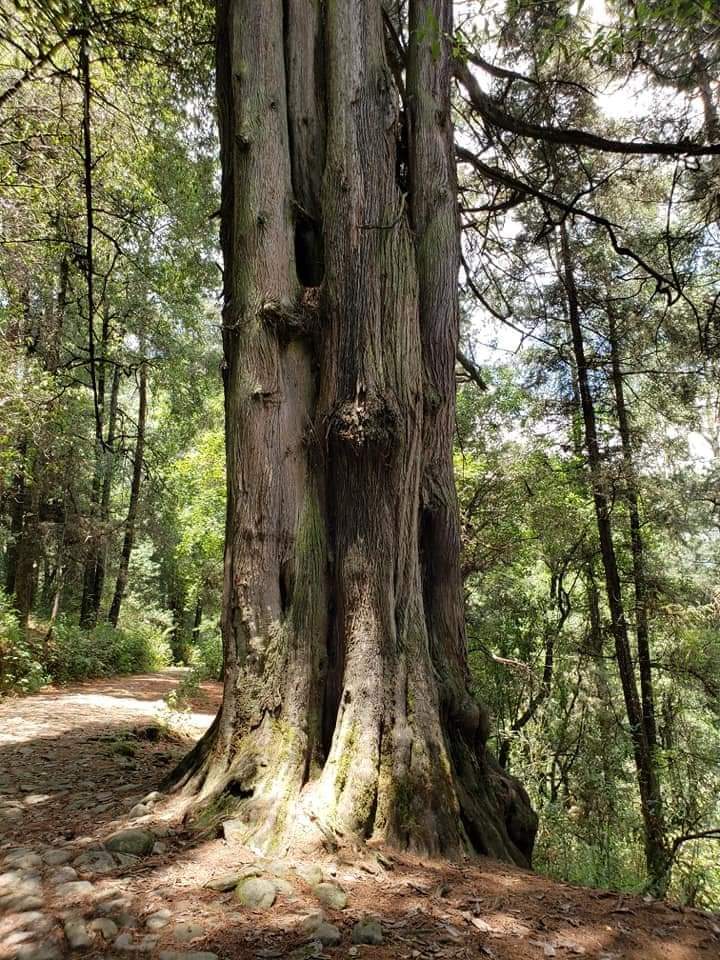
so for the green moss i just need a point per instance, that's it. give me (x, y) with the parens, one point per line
(216, 810)
(364, 804)
(405, 797)
(410, 704)
(310, 554)
(346, 760)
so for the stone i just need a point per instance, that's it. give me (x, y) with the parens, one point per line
(74, 890)
(106, 927)
(38, 951)
(158, 920)
(368, 931)
(256, 893)
(140, 810)
(309, 951)
(115, 904)
(159, 847)
(127, 859)
(62, 875)
(312, 921)
(25, 861)
(55, 858)
(283, 887)
(328, 934)
(95, 861)
(133, 841)
(28, 864)
(152, 797)
(21, 902)
(225, 881)
(76, 933)
(10, 879)
(187, 930)
(191, 955)
(330, 895)
(17, 937)
(310, 873)
(127, 944)
(35, 919)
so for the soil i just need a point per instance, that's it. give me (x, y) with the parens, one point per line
(75, 760)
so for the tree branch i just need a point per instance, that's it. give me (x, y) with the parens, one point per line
(492, 113)
(472, 370)
(664, 284)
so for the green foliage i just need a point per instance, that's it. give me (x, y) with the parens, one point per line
(76, 654)
(206, 658)
(20, 669)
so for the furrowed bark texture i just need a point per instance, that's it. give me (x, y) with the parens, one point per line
(347, 706)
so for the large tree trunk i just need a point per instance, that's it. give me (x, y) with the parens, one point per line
(347, 708)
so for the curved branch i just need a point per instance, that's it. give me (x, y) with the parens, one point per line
(664, 284)
(472, 369)
(490, 110)
(712, 834)
(35, 66)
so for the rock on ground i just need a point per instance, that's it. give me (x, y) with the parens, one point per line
(256, 893)
(134, 841)
(330, 895)
(77, 933)
(368, 930)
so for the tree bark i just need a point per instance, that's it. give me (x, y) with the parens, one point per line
(642, 631)
(135, 485)
(197, 620)
(94, 570)
(347, 709)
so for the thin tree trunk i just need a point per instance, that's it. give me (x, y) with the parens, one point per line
(129, 538)
(93, 574)
(17, 505)
(656, 854)
(94, 571)
(638, 558)
(197, 620)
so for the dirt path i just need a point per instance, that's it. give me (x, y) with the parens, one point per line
(76, 762)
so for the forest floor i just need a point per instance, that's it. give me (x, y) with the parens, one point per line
(75, 761)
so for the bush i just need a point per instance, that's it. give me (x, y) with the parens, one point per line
(20, 670)
(206, 656)
(77, 654)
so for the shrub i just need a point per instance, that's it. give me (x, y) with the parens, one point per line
(20, 669)
(206, 657)
(77, 654)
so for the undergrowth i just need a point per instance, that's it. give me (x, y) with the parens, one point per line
(30, 659)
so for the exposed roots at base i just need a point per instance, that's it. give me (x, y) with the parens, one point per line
(258, 795)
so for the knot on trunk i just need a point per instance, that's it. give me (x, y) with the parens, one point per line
(367, 421)
(291, 321)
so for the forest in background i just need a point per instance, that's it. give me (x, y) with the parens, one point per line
(589, 361)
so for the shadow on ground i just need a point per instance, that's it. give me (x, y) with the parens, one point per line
(73, 762)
